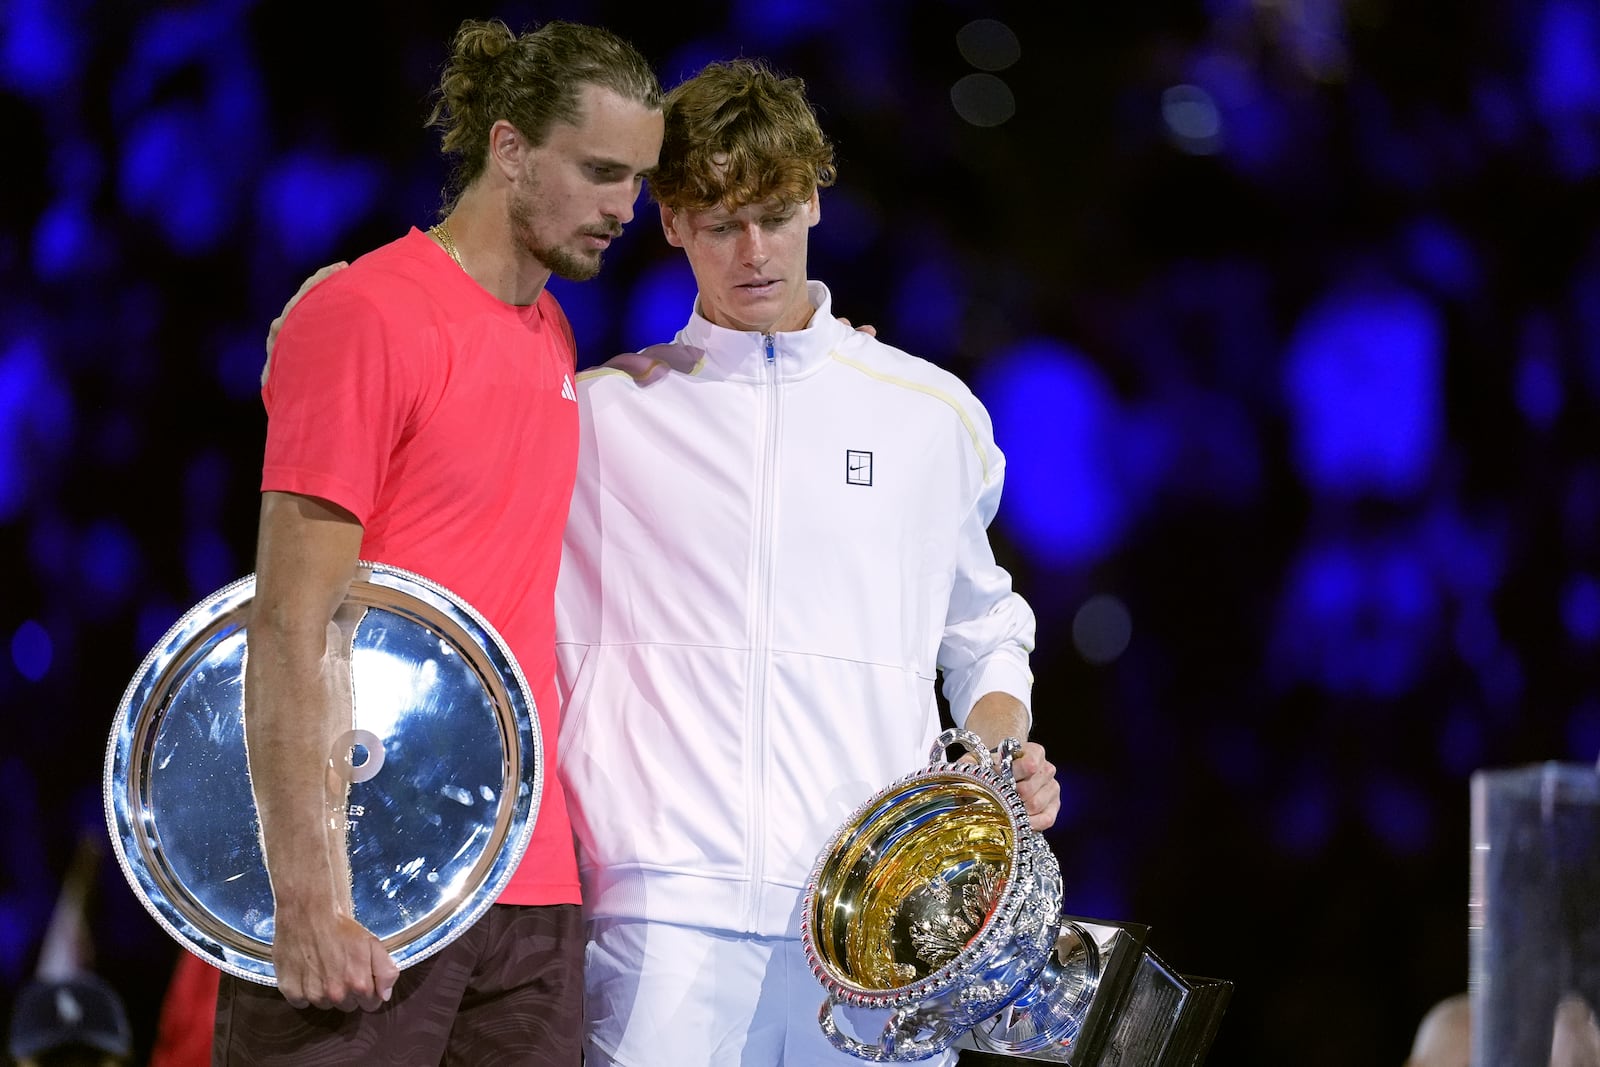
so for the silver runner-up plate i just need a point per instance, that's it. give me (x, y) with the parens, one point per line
(435, 785)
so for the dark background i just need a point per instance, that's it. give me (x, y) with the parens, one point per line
(1287, 313)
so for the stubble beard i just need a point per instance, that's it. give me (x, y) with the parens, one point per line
(562, 262)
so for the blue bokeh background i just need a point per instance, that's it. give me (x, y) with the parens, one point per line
(1287, 314)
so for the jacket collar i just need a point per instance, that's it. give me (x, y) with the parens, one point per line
(742, 356)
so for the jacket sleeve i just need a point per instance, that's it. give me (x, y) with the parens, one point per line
(989, 629)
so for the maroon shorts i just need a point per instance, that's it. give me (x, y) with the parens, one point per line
(507, 991)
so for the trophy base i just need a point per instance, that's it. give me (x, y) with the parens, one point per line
(1142, 1013)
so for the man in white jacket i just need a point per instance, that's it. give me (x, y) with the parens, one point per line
(776, 546)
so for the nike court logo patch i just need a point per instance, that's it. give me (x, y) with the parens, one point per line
(857, 467)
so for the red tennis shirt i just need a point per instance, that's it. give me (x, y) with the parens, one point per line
(445, 421)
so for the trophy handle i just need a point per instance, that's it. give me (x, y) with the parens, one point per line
(998, 760)
(896, 1044)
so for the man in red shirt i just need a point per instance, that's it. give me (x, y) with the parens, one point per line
(420, 414)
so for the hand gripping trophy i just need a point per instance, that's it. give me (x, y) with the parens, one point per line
(936, 901)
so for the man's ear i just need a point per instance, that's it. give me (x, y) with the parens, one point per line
(814, 208)
(669, 226)
(506, 149)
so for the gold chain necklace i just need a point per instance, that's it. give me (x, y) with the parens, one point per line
(442, 235)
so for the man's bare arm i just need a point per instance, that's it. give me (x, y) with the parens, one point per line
(997, 716)
(297, 701)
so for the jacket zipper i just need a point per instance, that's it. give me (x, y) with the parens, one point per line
(759, 644)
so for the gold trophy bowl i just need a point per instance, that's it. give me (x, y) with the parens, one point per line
(937, 900)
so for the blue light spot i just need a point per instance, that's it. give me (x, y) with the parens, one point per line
(1075, 798)
(1502, 679)
(110, 559)
(1056, 420)
(777, 22)
(1577, 149)
(32, 650)
(1441, 256)
(854, 223)
(1566, 59)
(207, 483)
(1537, 384)
(1357, 618)
(1098, 889)
(197, 217)
(77, 168)
(1580, 504)
(51, 549)
(1153, 439)
(13, 485)
(38, 51)
(240, 363)
(659, 305)
(689, 60)
(1538, 390)
(1256, 121)
(156, 617)
(1304, 821)
(309, 202)
(929, 305)
(1387, 668)
(1388, 149)
(62, 241)
(1461, 744)
(152, 154)
(19, 925)
(1477, 636)
(1499, 112)
(170, 177)
(587, 306)
(235, 98)
(1402, 584)
(1363, 382)
(1329, 583)
(171, 38)
(1583, 731)
(208, 562)
(1398, 815)
(168, 39)
(1195, 444)
(1468, 559)
(35, 422)
(1580, 609)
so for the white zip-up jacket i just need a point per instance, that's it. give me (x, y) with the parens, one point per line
(774, 545)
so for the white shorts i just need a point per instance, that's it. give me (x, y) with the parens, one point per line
(660, 994)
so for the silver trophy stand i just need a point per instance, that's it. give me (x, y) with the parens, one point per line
(1142, 1012)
